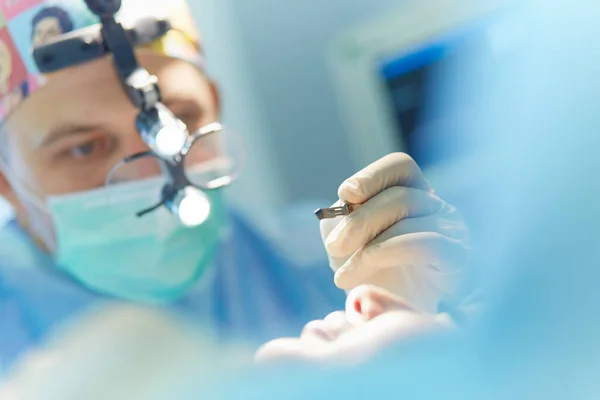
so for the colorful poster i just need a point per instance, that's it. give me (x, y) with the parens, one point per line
(12, 8)
(13, 74)
(37, 26)
(26, 24)
(12, 69)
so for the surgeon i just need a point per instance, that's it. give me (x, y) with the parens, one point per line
(117, 193)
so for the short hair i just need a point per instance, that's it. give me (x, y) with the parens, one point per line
(66, 24)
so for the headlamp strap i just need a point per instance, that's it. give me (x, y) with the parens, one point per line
(140, 86)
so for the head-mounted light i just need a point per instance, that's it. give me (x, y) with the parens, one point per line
(167, 137)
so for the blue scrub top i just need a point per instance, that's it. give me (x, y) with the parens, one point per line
(264, 283)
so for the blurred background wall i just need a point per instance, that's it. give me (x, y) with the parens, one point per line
(270, 59)
(284, 89)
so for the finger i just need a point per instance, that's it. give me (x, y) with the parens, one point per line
(328, 225)
(416, 280)
(366, 302)
(424, 249)
(447, 224)
(420, 248)
(378, 214)
(396, 169)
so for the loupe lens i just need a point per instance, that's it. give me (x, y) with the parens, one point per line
(214, 160)
(140, 177)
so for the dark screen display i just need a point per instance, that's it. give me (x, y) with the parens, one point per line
(434, 92)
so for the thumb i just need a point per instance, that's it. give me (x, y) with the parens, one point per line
(396, 169)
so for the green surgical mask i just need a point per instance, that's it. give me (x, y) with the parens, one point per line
(153, 259)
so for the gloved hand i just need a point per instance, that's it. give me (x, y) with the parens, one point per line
(402, 237)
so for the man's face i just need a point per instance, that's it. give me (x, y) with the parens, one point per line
(67, 136)
(46, 30)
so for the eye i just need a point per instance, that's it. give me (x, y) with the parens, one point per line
(99, 147)
(191, 115)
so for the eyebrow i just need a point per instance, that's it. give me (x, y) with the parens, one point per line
(73, 129)
(179, 104)
(67, 130)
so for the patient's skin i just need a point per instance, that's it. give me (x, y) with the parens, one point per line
(373, 319)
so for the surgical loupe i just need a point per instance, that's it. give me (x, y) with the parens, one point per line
(184, 193)
(168, 138)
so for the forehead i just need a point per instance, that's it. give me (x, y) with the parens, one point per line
(46, 21)
(93, 90)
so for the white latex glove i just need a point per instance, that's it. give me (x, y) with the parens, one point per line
(402, 238)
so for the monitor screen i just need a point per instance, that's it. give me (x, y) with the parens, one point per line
(434, 91)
